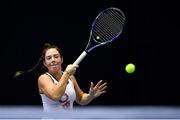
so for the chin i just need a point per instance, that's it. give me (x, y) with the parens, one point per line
(55, 70)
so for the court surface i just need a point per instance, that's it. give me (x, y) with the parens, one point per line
(88, 113)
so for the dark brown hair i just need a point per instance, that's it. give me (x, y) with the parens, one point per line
(46, 46)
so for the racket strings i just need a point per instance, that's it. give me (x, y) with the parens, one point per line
(110, 21)
(116, 18)
(102, 33)
(103, 30)
(108, 25)
(111, 26)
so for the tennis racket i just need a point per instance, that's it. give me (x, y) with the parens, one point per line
(107, 26)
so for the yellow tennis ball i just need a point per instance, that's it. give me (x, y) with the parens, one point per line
(130, 68)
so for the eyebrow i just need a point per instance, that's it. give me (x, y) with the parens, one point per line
(53, 55)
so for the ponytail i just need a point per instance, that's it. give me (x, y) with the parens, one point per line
(46, 46)
(19, 73)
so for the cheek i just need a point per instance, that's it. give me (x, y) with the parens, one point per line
(46, 63)
(59, 60)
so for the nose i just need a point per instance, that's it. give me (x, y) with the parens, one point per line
(53, 59)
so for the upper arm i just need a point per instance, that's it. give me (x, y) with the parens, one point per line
(78, 90)
(46, 85)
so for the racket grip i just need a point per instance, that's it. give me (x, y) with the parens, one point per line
(80, 58)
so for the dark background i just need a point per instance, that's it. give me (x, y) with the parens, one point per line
(149, 40)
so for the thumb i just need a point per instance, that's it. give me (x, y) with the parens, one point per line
(91, 87)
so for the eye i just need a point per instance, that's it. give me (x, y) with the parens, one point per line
(56, 56)
(48, 58)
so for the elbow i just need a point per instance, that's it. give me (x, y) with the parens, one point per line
(83, 101)
(55, 97)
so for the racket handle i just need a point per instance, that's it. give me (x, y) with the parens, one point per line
(80, 58)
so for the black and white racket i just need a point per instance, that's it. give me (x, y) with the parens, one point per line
(107, 26)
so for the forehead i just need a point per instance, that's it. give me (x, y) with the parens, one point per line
(51, 51)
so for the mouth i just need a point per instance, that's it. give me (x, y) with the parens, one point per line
(54, 65)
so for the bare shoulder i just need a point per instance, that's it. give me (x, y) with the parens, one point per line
(44, 78)
(44, 81)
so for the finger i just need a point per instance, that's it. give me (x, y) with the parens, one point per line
(75, 66)
(92, 85)
(103, 88)
(98, 84)
(104, 84)
(103, 92)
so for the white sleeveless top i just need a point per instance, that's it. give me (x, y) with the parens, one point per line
(66, 101)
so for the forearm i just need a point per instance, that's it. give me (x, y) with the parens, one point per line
(85, 99)
(59, 89)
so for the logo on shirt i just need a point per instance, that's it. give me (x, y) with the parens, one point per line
(65, 101)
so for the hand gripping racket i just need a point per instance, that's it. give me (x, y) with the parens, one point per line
(107, 26)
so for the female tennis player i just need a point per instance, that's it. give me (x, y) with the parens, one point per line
(59, 89)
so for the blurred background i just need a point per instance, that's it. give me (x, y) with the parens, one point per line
(149, 40)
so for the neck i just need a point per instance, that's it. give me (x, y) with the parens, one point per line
(57, 75)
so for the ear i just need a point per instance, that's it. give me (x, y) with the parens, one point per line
(62, 60)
